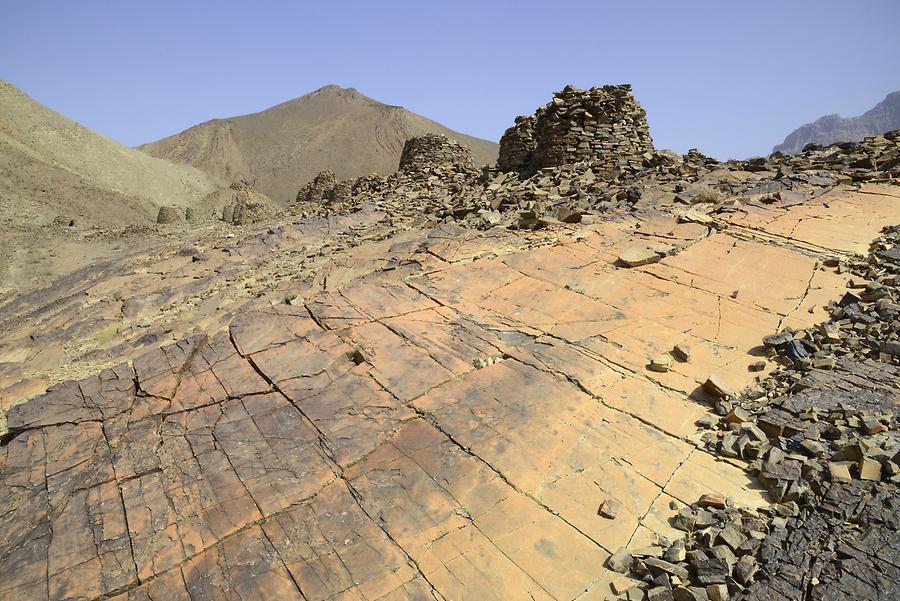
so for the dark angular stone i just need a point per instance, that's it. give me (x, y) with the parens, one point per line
(711, 571)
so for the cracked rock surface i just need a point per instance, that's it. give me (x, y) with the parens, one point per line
(821, 435)
(435, 414)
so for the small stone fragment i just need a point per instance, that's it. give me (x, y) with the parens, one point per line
(732, 538)
(682, 352)
(667, 567)
(707, 422)
(872, 425)
(744, 569)
(635, 257)
(738, 415)
(795, 351)
(660, 593)
(567, 215)
(620, 561)
(714, 386)
(676, 552)
(694, 216)
(724, 553)
(711, 571)
(689, 593)
(704, 518)
(773, 340)
(824, 362)
(620, 583)
(609, 509)
(661, 363)
(869, 469)
(717, 592)
(684, 520)
(757, 366)
(636, 594)
(712, 500)
(840, 471)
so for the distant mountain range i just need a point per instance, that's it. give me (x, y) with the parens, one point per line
(284, 147)
(884, 117)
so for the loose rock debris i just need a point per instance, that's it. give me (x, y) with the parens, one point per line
(821, 434)
(434, 385)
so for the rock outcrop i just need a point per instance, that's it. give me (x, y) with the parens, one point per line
(380, 429)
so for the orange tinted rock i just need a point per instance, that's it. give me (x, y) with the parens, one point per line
(447, 431)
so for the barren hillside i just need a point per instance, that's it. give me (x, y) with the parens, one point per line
(285, 146)
(52, 166)
(63, 185)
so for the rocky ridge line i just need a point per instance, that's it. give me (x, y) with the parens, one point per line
(883, 117)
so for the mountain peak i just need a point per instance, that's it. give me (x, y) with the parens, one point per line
(335, 90)
(283, 147)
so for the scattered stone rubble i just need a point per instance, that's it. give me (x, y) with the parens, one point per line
(586, 153)
(437, 180)
(821, 434)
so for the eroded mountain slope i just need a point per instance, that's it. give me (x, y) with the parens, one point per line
(285, 146)
(53, 167)
(61, 182)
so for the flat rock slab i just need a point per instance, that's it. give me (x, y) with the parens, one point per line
(635, 257)
(445, 432)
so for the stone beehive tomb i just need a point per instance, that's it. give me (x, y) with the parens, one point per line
(603, 124)
(438, 154)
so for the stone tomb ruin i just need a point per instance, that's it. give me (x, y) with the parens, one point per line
(436, 153)
(605, 124)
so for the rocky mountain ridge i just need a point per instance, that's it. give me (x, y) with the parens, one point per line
(882, 118)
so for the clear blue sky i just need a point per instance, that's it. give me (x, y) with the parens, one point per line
(732, 78)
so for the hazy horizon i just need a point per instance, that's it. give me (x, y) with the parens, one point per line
(732, 81)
